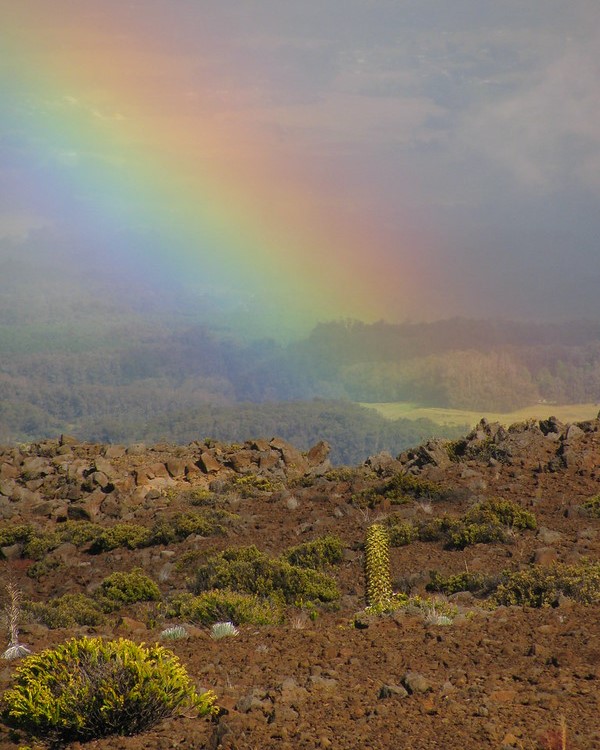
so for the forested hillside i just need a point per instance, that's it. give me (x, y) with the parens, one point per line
(82, 352)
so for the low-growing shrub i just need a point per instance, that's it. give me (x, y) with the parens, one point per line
(401, 532)
(317, 554)
(401, 488)
(475, 582)
(539, 586)
(484, 450)
(484, 523)
(504, 512)
(12, 534)
(249, 570)
(164, 531)
(216, 606)
(89, 688)
(66, 611)
(127, 588)
(591, 506)
(127, 535)
(250, 485)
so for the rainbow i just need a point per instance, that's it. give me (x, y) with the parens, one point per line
(214, 199)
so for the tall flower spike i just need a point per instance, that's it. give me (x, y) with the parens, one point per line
(377, 565)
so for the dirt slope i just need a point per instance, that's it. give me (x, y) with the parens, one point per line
(496, 677)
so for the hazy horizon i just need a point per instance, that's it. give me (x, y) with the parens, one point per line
(295, 163)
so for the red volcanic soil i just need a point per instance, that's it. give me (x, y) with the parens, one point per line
(495, 677)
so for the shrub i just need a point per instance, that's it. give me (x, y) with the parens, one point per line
(327, 550)
(400, 533)
(250, 485)
(484, 450)
(539, 586)
(456, 449)
(89, 688)
(128, 535)
(459, 582)
(251, 571)
(591, 506)
(484, 523)
(465, 534)
(503, 512)
(377, 566)
(166, 531)
(127, 588)
(401, 488)
(215, 606)
(12, 534)
(66, 611)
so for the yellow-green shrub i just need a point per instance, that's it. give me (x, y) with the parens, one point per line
(401, 533)
(88, 688)
(317, 554)
(539, 586)
(128, 535)
(591, 506)
(127, 588)
(223, 605)
(249, 570)
(464, 581)
(66, 611)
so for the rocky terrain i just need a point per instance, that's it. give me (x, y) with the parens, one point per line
(477, 665)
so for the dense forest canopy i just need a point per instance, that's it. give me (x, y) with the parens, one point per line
(139, 380)
(83, 352)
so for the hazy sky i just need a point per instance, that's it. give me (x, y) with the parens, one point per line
(436, 157)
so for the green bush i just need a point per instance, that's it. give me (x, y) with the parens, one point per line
(249, 570)
(401, 488)
(466, 534)
(39, 544)
(165, 531)
(539, 586)
(89, 688)
(591, 506)
(476, 582)
(128, 535)
(484, 450)
(220, 605)
(66, 611)
(250, 485)
(401, 532)
(504, 512)
(12, 534)
(127, 588)
(317, 554)
(484, 523)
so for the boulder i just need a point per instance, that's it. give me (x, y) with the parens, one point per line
(318, 454)
(292, 458)
(209, 464)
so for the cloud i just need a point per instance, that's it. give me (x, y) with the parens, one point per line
(546, 132)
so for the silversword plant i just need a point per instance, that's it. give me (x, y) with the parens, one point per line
(223, 630)
(174, 633)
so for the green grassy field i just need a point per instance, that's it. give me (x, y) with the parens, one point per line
(458, 417)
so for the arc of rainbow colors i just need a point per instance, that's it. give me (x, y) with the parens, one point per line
(172, 175)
